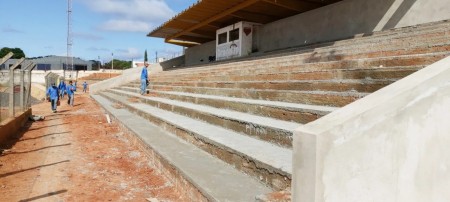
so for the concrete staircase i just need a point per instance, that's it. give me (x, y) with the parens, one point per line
(238, 116)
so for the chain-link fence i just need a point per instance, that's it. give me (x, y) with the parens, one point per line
(14, 93)
(15, 90)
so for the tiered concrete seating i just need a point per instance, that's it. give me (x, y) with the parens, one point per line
(243, 112)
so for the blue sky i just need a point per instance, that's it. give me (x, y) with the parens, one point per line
(100, 27)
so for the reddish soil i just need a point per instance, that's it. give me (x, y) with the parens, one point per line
(100, 76)
(75, 155)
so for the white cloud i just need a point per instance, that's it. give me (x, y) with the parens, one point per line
(131, 15)
(87, 36)
(129, 54)
(98, 49)
(125, 25)
(10, 29)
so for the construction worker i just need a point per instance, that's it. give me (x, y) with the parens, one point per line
(144, 78)
(62, 89)
(84, 86)
(70, 89)
(53, 95)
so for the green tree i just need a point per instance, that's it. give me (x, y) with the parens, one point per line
(18, 53)
(118, 64)
(145, 56)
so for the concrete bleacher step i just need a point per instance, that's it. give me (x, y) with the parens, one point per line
(372, 51)
(358, 74)
(410, 41)
(268, 129)
(372, 73)
(324, 98)
(265, 161)
(366, 85)
(299, 113)
(409, 44)
(213, 178)
(289, 65)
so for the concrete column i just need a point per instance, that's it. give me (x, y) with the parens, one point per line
(4, 59)
(22, 85)
(11, 92)
(11, 85)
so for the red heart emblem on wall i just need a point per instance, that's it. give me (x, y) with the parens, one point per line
(247, 30)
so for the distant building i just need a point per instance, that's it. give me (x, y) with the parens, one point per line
(52, 63)
(59, 63)
(8, 63)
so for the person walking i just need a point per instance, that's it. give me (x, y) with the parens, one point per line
(144, 78)
(84, 86)
(53, 95)
(70, 93)
(62, 89)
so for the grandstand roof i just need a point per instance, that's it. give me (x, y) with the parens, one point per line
(198, 23)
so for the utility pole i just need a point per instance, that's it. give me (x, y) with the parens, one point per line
(69, 59)
(156, 59)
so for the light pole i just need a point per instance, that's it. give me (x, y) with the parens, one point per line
(99, 62)
(112, 61)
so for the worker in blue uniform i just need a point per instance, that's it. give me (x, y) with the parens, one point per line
(53, 95)
(70, 93)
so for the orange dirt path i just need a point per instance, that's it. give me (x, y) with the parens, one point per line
(75, 155)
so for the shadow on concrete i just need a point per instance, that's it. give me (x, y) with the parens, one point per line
(44, 195)
(23, 152)
(399, 14)
(44, 136)
(28, 169)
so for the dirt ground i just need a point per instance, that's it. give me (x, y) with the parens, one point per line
(75, 155)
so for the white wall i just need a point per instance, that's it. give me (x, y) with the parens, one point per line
(38, 76)
(392, 145)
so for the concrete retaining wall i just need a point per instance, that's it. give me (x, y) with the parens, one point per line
(11, 126)
(38, 76)
(200, 54)
(173, 63)
(389, 146)
(127, 76)
(347, 18)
